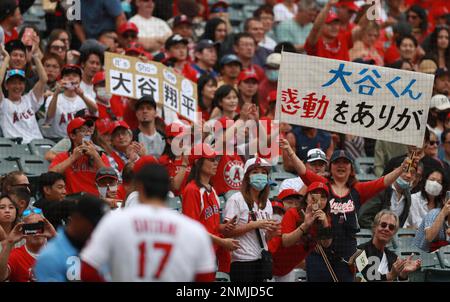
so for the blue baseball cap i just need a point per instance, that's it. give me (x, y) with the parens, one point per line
(230, 58)
(15, 73)
(341, 154)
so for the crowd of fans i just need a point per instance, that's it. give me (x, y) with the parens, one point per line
(53, 86)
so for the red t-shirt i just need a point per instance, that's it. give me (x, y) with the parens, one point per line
(366, 190)
(230, 173)
(285, 259)
(338, 49)
(21, 265)
(80, 176)
(203, 206)
(173, 167)
(117, 107)
(14, 35)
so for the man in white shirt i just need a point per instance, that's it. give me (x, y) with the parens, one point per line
(153, 32)
(17, 112)
(146, 133)
(149, 242)
(91, 61)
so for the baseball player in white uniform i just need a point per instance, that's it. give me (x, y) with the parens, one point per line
(149, 242)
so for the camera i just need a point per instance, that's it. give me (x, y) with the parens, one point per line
(33, 228)
(316, 201)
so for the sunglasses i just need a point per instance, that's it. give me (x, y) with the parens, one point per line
(22, 185)
(58, 48)
(414, 17)
(215, 159)
(130, 35)
(383, 225)
(32, 211)
(432, 143)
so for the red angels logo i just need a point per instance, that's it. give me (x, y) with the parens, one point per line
(233, 174)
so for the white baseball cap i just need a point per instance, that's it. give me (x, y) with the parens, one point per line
(255, 163)
(315, 155)
(440, 102)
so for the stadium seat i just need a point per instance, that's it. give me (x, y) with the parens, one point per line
(300, 275)
(222, 277)
(405, 238)
(39, 147)
(33, 165)
(174, 203)
(363, 236)
(444, 255)
(8, 165)
(437, 275)
(10, 149)
(280, 176)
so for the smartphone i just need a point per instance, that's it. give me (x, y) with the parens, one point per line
(27, 38)
(411, 164)
(447, 196)
(316, 201)
(33, 228)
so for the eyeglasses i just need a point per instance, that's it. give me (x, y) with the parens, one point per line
(432, 143)
(58, 48)
(32, 211)
(383, 225)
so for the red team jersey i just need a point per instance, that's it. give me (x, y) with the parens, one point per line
(20, 264)
(230, 173)
(80, 176)
(338, 49)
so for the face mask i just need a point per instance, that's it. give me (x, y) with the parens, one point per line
(102, 191)
(103, 94)
(433, 188)
(258, 181)
(403, 184)
(272, 75)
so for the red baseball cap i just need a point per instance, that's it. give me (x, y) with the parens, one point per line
(175, 129)
(448, 116)
(144, 160)
(202, 151)
(277, 204)
(331, 17)
(128, 26)
(349, 4)
(98, 78)
(74, 124)
(247, 74)
(286, 193)
(103, 125)
(272, 97)
(318, 185)
(118, 124)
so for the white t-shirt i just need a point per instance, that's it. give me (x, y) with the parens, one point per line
(417, 211)
(147, 243)
(152, 27)
(295, 183)
(268, 43)
(18, 119)
(282, 13)
(249, 248)
(88, 91)
(397, 205)
(154, 144)
(65, 112)
(132, 199)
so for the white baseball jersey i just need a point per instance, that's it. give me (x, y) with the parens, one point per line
(88, 91)
(65, 112)
(147, 243)
(18, 119)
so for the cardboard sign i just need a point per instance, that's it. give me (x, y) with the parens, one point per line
(131, 77)
(363, 100)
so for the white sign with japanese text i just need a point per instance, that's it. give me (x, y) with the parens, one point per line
(364, 100)
(132, 78)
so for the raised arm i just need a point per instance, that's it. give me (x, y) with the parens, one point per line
(314, 34)
(91, 105)
(4, 67)
(39, 87)
(433, 231)
(298, 165)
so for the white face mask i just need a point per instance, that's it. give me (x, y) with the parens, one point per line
(433, 188)
(104, 190)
